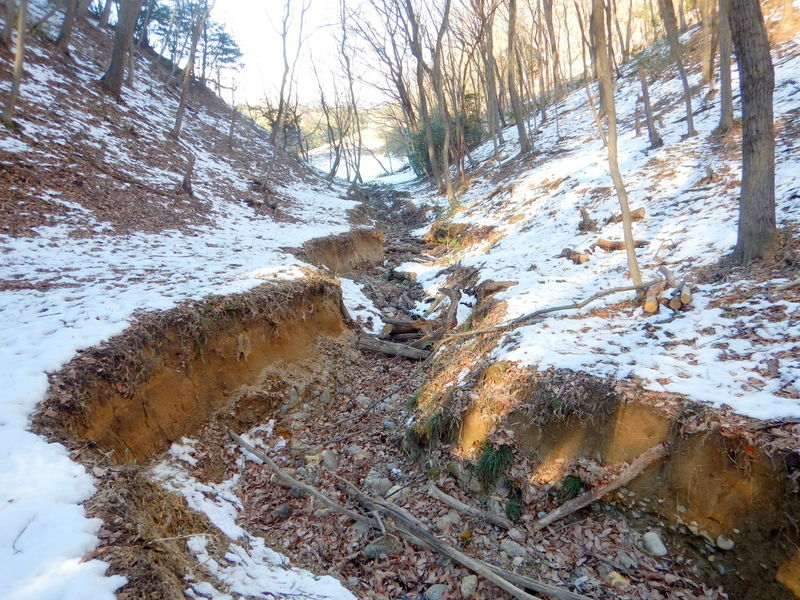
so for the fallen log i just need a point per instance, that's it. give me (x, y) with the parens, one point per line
(636, 215)
(489, 288)
(391, 348)
(614, 245)
(675, 303)
(651, 299)
(483, 515)
(578, 258)
(629, 473)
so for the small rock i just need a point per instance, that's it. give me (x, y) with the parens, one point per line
(325, 398)
(299, 416)
(469, 585)
(378, 484)
(436, 592)
(363, 401)
(512, 548)
(445, 522)
(398, 494)
(384, 546)
(282, 512)
(389, 425)
(518, 535)
(297, 492)
(724, 543)
(354, 582)
(493, 505)
(330, 459)
(617, 579)
(361, 528)
(627, 561)
(653, 544)
(517, 561)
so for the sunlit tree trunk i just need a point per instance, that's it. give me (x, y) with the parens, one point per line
(199, 20)
(709, 23)
(725, 86)
(652, 133)
(603, 68)
(11, 103)
(671, 27)
(516, 104)
(757, 233)
(442, 101)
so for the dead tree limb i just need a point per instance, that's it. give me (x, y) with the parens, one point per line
(290, 481)
(483, 515)
(629, 473)
(405, 523)
(392, 349)
(533, 316)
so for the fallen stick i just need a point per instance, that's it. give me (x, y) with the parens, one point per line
(636, 215)
(629, 473)
(407, 524)
(483, 515)
(612, 245)
(392, 349)
(292, 482)
(530, 317)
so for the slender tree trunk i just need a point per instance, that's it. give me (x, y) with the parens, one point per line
(106, 14)
(8, 25)
(65, 34)
(709, 18)
(442, 102)
(725, 87)
(668, 17)
(652, 133)
(516, 104)
(123, 36)
(424, 113)
(757, 233)
(189, 69)
(492, 102)
(11, 103)
(547, 6)
(603, 68)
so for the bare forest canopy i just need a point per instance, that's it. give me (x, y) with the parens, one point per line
(454, 73)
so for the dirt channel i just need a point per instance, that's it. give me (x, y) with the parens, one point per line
(281, 364)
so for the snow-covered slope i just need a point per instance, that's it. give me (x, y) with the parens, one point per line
(68, 279)
(739, 344)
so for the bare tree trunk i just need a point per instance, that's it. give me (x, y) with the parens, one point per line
(65, 35)
(603, 68)
(200, 19)
(106, 14)
(725, 87)
(492, 103)
(123, 35)
(547, 6)
(652, 134)
(668, 17)
(8, 25)
(516, 104)
(757, 233)
(442, 101)
(11, 103)
(709, 18)
(424, 113)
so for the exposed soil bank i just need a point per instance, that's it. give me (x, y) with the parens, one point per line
(347, 253)
(164, 377)
(719, 483)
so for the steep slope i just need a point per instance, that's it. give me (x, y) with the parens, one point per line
(92, 230)
(737, 344)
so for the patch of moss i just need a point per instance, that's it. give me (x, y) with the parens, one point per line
(570, 488)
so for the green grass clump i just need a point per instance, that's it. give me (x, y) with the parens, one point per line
(570, 488)
(492, 463)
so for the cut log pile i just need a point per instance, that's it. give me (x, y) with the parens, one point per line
(679, 296)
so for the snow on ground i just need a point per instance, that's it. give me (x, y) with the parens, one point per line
(748, 359)
(63, 290)
(251, 568)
